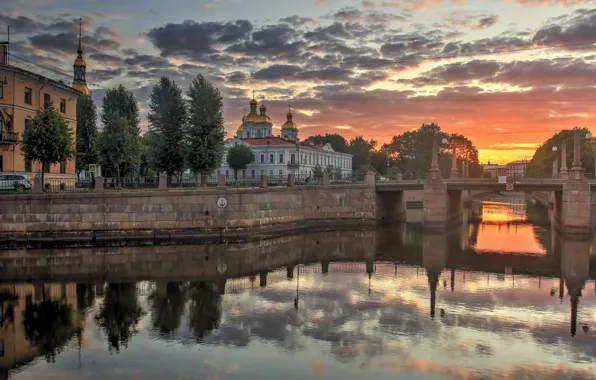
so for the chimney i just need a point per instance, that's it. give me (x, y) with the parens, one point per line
(3, 53)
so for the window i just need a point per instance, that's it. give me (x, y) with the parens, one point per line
(47, 100)
(272, 158)
(262, 172)
(281, 158)
(293, 158)
(252, 173)
(310, 159)
(271, 173)
(281, 172)
(63, 167)
(1, 89)
(227, 173)
(243, 172)
(1, 164)
(28, 96)
(46, 167)
(218, 172)
(63, 105)
(262, 158)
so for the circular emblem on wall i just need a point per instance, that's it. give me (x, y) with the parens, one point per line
(221, 267)
(222, 202)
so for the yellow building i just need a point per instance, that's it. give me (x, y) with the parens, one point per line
(22, 94)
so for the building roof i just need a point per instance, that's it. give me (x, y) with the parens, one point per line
(263, 141)
(519, 162)
(59, 84)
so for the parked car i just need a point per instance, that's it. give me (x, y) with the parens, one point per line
(16, 182)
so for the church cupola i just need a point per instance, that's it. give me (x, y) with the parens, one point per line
(263, 109)
(80, 66)
(289, 130)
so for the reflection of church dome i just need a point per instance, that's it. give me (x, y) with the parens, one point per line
(254, 118)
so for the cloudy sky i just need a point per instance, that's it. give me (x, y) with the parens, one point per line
(505, 73)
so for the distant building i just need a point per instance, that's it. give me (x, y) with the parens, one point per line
(22, 94)
(517, 169)
(496, 170)
(284, 154)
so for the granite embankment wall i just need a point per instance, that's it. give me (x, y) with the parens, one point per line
(154, 217)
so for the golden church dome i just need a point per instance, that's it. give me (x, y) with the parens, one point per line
(253, 102)
(289, 125)
(254, 118)
(240, 129)
(80, 61)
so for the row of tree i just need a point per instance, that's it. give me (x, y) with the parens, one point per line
(183, 133)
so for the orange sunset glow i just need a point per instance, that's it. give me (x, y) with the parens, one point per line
(507, 74)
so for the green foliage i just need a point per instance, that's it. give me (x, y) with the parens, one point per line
(317, 172)
(114, 142)
(167, 309)
(147, 168)
(412, 150)
(204, 309)
(48, 139)
(360, 150)
(48, 326)
(121, 102)
(379, 161)
(205, 126)
(167, 118)
(542, 161)
(119, 314)
(337, 142)
(86, 133)
(238, 157)
(336, 173)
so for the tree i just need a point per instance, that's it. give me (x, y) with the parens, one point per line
(379, 161)
(205, 127)
(542, 161)
(167, 118)
(412, 150)
(167, 309)
(238, 157)
(119, 314)
(337, 142)
(204, 309)
(360, 150)
(317, 172)
(120, 101)
(86, 133)
(113, 142)
(48, 139)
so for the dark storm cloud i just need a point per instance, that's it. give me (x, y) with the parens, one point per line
(105, 58)
(236, 76)
(193, 39)
(355, 14)
(272, 40)
(67, 42)
(130, 51)
(20, 24)
(578, 28)
(101, 75)
(277, 72)
(297, 21)
(148, 61)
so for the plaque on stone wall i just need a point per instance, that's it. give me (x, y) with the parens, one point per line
(222, 202)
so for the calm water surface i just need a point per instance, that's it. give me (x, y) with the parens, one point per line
(502, 298)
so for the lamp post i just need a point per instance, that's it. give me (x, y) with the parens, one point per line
(453, 173)
(555, 163)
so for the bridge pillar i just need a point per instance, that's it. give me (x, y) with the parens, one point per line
(575, 269)
(263, 279)
(434, 260)
(574, 207)
(290, 272)
(221, 286)
(324, 267)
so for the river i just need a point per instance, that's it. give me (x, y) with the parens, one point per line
(503, 297)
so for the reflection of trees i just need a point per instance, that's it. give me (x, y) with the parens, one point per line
(119, 314)
(204, 309)
(7, 300)
(48, 326)
(85, 296)
(167, 309)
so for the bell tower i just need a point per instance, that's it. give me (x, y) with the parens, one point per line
(80, 66)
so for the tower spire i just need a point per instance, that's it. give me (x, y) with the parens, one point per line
(80, 49)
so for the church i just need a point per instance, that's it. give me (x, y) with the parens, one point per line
(282, 154)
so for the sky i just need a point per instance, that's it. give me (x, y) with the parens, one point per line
(507, 74)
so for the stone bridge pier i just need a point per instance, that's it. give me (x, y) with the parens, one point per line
(572, 204)
(434, 260)
(441, 206)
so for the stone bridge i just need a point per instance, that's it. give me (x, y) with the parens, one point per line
(444, 198)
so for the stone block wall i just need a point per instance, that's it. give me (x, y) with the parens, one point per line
(144, 217)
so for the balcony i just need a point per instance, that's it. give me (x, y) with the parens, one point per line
(293, 165)
(9, 137)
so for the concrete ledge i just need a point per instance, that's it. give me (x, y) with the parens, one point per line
(137, 237)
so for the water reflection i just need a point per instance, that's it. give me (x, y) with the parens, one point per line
(381, 304)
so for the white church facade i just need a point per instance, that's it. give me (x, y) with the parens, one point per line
(283, 154)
